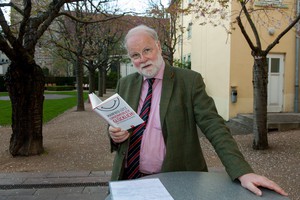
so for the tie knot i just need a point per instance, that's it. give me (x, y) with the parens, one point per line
(150, 81)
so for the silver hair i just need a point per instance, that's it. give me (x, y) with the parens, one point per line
(141, 28)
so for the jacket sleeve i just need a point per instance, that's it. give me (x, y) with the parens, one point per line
(213, 127)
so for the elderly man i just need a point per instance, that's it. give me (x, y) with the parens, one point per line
(175, 104)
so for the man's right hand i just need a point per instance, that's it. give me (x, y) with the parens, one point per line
(118, 135)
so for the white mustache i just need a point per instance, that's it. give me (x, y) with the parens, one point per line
(146, 64)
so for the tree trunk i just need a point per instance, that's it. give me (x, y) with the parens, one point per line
(25, 83)
(79, 80)
(92, 78)
(100, 88)
(260, 99)
(104, 81)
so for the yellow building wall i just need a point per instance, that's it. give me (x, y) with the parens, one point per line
(211, 58)
(225, 61)
(242, 64)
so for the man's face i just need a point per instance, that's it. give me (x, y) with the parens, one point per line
(145, 54)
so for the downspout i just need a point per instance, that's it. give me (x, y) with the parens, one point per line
(181, 50)
(296, 100)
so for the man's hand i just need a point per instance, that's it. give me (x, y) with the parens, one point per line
(252, 181)
(118, 135)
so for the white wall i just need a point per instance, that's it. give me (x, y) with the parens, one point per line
(126, 68)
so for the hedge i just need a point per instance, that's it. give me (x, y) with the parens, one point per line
(59, 88)
(2, 86)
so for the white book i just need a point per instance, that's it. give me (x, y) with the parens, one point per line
(115, 111)
(139, 189)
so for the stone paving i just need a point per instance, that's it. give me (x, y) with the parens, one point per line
(279, 162)
(83, 185)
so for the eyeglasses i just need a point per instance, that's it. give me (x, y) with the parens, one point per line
(145, 52)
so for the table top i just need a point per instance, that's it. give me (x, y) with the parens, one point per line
(207, 186)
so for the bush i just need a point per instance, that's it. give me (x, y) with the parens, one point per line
(2, 85)
(111, 80)
(60, 88)
(60, 80)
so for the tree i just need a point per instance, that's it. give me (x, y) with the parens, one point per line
(168, 31)
(260, 67)
(256, 18)
(24, 79)
(104, 49)
(91, 39)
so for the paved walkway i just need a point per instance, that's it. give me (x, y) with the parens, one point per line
(92, 185)
(84, 185)
(47, 96)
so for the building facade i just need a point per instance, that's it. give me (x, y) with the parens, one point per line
(226, 63)
(4, 63)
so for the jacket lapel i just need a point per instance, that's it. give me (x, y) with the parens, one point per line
(136, 88)
(167, 89)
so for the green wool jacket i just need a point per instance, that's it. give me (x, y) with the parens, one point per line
(184, 104)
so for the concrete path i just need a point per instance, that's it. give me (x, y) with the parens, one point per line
(93, 185)
(84, 185)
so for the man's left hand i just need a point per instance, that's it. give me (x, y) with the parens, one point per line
(252, 181)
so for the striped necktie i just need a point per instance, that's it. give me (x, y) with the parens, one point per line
(133, 158)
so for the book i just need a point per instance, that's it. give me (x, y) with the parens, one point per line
(115, 111)
(151, 188)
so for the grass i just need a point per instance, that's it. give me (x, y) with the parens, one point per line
(52, 107)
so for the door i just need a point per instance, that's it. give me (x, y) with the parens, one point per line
(275, 82)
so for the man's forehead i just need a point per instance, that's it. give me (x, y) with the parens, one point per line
(139, 41)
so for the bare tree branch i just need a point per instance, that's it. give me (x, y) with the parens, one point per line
(26, 16)
(276, 41)
(252, 25)
(9, 37)
(244, 32)
(89, 22)
(14, 6)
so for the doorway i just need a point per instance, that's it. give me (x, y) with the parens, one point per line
(275, 82)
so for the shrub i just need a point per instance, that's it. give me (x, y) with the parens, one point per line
(2, 85)
(60, 88)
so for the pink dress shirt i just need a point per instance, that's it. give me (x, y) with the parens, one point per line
(153, 147)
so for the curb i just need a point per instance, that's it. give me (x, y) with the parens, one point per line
(26, 180)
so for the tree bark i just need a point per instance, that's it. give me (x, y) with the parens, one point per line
(260, 89)
(100, 83)
(92, 78)
(79, 80)
(104, 81)
(25, 83)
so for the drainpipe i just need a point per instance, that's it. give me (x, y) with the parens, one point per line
(297, 62)
(181, 50)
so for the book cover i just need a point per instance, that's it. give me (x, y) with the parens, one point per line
(115, 111)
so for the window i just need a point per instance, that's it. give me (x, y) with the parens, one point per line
(275, 65)
(189, 58)
(180, 39)
(273, 3)
(189, 30)
(189, 62)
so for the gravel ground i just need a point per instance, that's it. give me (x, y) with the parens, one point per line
(77, 141)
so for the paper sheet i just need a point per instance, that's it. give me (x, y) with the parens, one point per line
(140, 189)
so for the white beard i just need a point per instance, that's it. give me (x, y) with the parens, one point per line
(156, 65)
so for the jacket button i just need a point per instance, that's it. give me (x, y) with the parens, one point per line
(123, 153)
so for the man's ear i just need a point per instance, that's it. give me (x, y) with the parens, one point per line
(159, 46)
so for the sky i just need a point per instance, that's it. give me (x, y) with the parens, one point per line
(5, 10)
(126, 5)
(138, 5)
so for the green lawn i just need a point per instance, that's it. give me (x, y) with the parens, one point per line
(52, 107)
